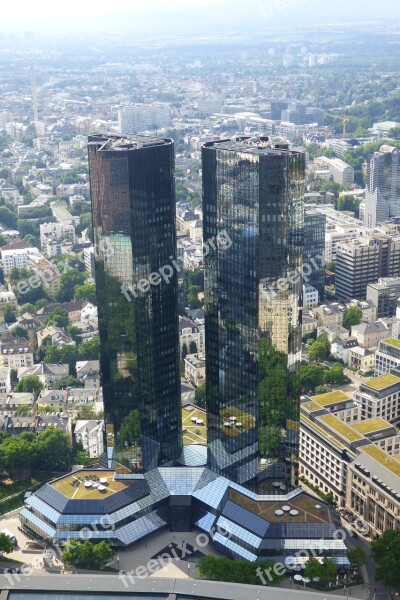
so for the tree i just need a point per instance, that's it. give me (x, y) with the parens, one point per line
(386, 554)
(312, 376)
(237, 571)
(349, 203)
(29, 384)
(87, 291)
(66, 354)
(200, 395)
(328, 571)
(331, 266)
(9, 312)
(7, 217)
(352, 316)
(357, 557)
(192, 347)
(58, 317)
(184, 351)
(335, 375)
(68, 281)
(19, 331)
(313, 568)
(53, 451)
(87, 412)
(6, 544)
(68, 382)
(86, 555)
(90, 350)
(23, 409)
(74, 333)
(318, 350)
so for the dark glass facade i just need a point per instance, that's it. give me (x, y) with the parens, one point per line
(133, 199)
(314, 250)
(253, 193)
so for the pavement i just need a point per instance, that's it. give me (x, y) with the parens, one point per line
(29, 557)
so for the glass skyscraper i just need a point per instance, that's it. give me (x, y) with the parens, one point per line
(253, 193)
(133, 199)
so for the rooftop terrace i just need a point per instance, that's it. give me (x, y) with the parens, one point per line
(73, 486)
(305, 505)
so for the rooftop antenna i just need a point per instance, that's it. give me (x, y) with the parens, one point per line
(34, 96)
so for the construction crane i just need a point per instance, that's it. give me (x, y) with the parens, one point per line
(342, 118)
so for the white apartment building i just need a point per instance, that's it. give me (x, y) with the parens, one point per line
(195, 369)
(144, 117)
(15, 353)
(90, 435)
(310, 296)
(387, 356)
(341, 172)
(7, 297)
(18, 257)
(191, 332)
(380, 398)
(55, 232)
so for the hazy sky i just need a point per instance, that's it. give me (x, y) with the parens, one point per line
(206, 15)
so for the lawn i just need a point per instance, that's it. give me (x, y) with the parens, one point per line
(73, 486)
(382, 382)
(247, 420)
(370, 425)
(330, 398)
(341, 428)
(194, 434)
(8, 487)
(305, 505)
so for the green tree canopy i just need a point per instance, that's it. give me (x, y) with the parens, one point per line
(352, 316)
(318, 350)
(335, 375)
(30, 384)
(386, 554)
(312, 376)
(58, 317)
(86, 555)
(236, 571)
(6, 544)
(87, 291)
(68, 282)
(200, 395)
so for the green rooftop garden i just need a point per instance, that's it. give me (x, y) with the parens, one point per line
(391, 463)
(382, 382)
(341, 428)
(371, 425)
(330, 398)
(393, 342)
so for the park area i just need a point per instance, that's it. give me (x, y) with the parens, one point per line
(194, 425)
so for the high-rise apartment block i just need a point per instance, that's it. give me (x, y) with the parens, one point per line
(253, 193)
(314, 250)
(144, 117)
(133, 197)
(364, 261)
(384, 295)
(382, 198)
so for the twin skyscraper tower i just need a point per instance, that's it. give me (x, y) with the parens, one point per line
(253, 217)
